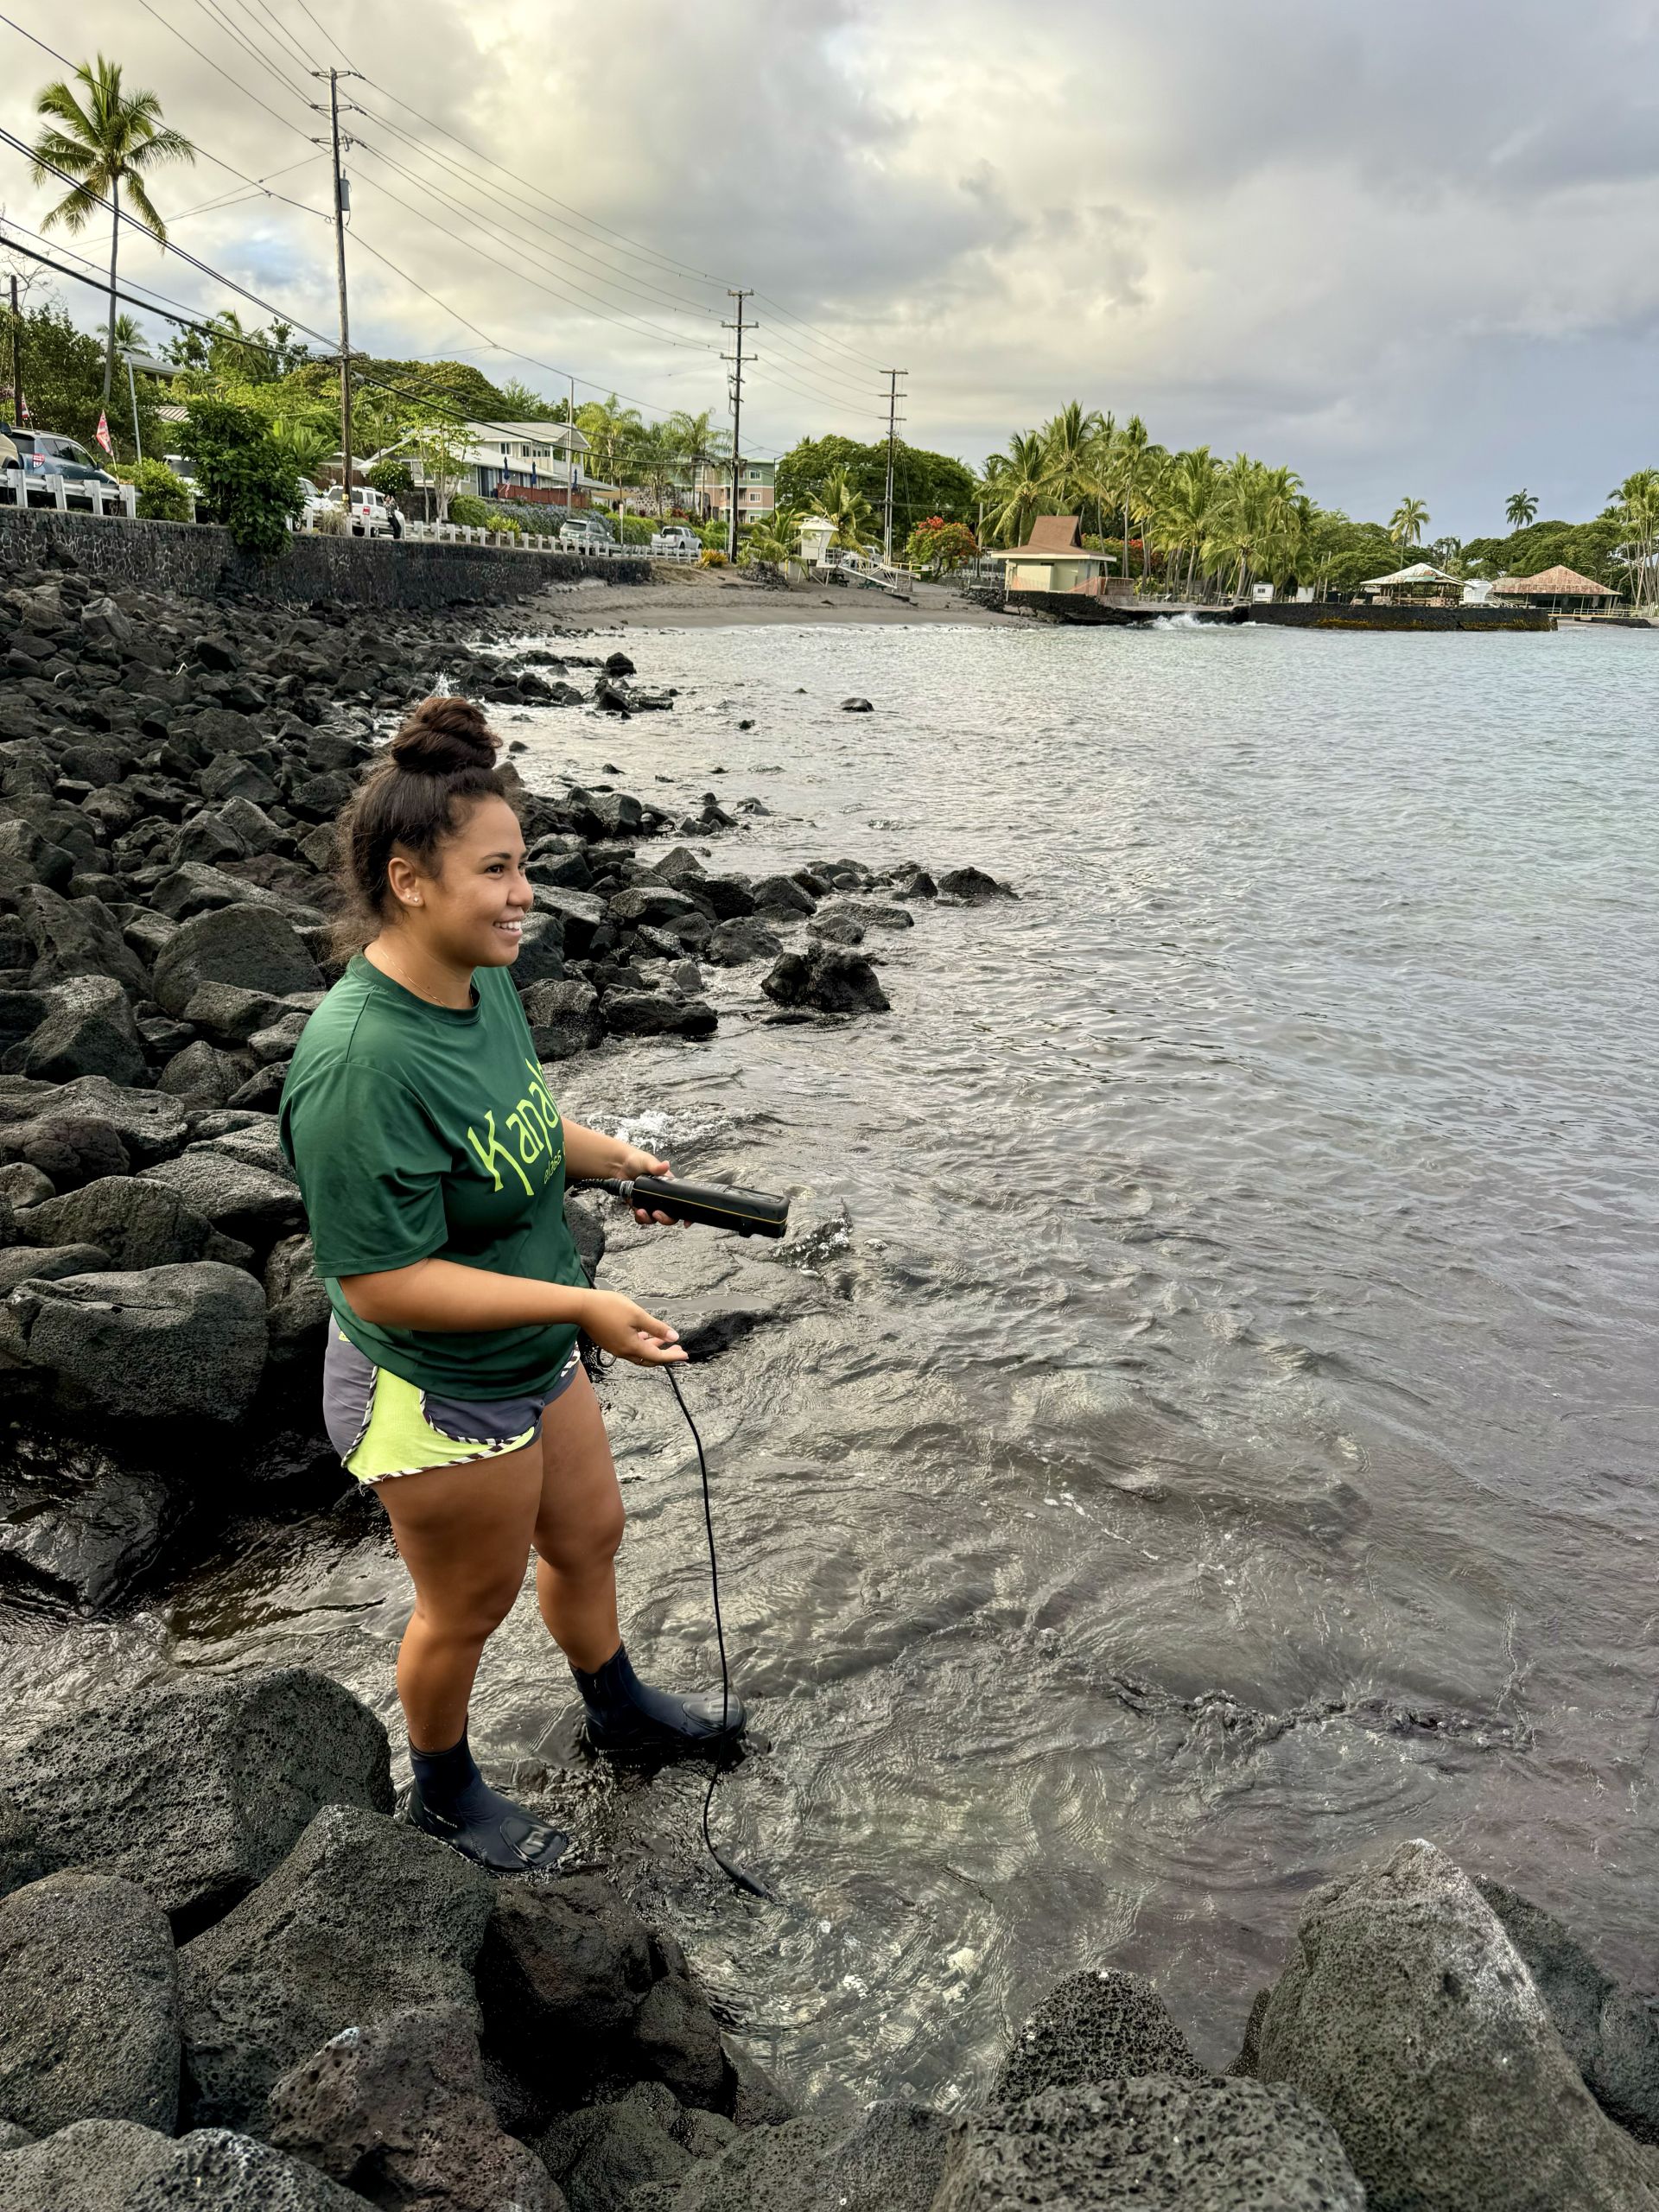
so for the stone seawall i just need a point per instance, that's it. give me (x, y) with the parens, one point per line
(1336, 614)
(199, 560)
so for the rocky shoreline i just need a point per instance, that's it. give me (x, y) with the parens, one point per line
(231, 1976)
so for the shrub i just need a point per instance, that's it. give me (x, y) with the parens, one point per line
(162, 497)
(634, 529)
(473, 514)
(711, 557)
(247, 479)
(940, 545)
(713, 534)
(394, 478)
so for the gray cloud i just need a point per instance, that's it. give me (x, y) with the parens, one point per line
(1401, 249)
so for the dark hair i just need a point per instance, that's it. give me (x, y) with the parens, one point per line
(411, 801)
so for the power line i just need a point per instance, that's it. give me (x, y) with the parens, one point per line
(202, 56)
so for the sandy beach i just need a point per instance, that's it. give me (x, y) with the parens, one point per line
(715, 599)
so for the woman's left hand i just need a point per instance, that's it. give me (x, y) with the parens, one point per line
(642, 1163)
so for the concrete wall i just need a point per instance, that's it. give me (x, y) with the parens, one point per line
(1338, 616)
(199, 559)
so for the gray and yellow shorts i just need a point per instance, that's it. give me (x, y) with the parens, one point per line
(382, 1426)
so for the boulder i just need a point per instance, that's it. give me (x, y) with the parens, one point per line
(870, 914)
(149, 1128)
(198, 888)
(249, 945)
(835, 926)
(659, 905)
(1406, 2015)
(890, 2161)
(564, 1019)
(744, 939)
(278, 1041)
(398, 2111)
(21, 1011)
(77, 937)
(363, 1919)
(826, 980)
(196, 1789)
(856, 707)
(22, 1263)
(541, 951)
(1609, 2033)
(624, 2146)
(21, 1185)
(578, 914)
(78, 1527)
(656, 1014)
(782, 895)
(1152, 2144)
(1103, 2026)
(203, 1075)
(89, 1029)
(235, 2173)
(139, 1223)
(971, 884)
(227, 1014)
(561, 1972)
(94, 2166)
(89, 2026)
(296, 1306)
(66, 1151)
(241, 1199)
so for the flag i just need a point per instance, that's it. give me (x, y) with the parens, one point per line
(24, 407)
(103, 434)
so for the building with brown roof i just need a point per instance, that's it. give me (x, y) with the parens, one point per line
(1555, 588)
(1055, 558)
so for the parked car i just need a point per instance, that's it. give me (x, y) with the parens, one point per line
(367, 509)
(585, 529)
(676, 538)
(41, 453)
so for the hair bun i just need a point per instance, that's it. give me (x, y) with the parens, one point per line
(445, 737)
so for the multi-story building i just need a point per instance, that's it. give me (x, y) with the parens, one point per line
(757, 491)
(540, 464)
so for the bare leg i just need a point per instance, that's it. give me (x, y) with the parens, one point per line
(464, 1533)
(578, 1529)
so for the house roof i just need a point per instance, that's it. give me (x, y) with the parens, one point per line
(1420, 572)
(1053, 537)
(1555, 583)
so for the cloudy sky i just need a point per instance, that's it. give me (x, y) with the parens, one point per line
(1403, 249)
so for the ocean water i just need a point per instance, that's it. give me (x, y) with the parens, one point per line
(1218, 1435)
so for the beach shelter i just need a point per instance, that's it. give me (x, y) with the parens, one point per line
(1054, 558)
(1560, 589)
(1421, 575)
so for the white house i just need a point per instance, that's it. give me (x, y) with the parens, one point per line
(538, 464)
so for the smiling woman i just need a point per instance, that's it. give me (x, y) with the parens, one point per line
(432, 1160)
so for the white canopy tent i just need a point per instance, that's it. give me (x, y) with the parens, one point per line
(1420, 572)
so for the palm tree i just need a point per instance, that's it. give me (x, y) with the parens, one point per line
(1521, 509)
(1014, 486)
(1407, 523)
(700, 444)
(1136, 464)
(1635, 507)
(128, 335)
(610, 429)
(101, 139)
(840, 502)
(1187, 495)
(1068, 455)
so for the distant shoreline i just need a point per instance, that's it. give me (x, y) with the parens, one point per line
(713, 599)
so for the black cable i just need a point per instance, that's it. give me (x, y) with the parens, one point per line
(722, 1757)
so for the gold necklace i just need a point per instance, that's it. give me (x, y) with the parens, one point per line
(400, 975)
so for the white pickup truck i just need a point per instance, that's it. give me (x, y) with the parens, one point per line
(676, 538)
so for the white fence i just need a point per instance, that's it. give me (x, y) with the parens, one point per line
(67, 492)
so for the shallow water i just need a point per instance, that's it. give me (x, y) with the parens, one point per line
(1220, 1443)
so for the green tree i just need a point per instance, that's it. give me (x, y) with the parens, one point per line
(701, 446)
(62, 374)
(842, 503)
(1521, 509)
(102, 139)
(610, 429)
(1407, 522)
(1070, 456)
(524, 405)
(1014, 488)
(161, 495)
(393, 477)
(247, 479)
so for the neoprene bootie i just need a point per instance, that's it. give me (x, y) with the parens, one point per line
(451, 1800)
(626, 1715)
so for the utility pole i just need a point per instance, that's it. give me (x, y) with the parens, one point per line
(342, 209)
(737, 410)
(893, 420)
(17, 358)
(570, 457)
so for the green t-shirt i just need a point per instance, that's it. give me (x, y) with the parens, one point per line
(418, 1132)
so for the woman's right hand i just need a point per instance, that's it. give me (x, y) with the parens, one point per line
(617, 1325)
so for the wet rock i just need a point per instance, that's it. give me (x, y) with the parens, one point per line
(1102, 2026)
(88, 2005)
(827, 980)
(675, 2040)
(782, 895)
(398, 2112)
(617, 663)
(1250, 2047)
(78, 1530)
(1152, 2144)
(197, 1789)
(1406, 2015)
(362, 1920)
(578, 914)
(564, 1019)
(88, 1030)
(973, 885)
(891, 2161)
(870, 913)
(561, 1972)
(628, 2146)
(139, 1223)
(248, 945)
(654, 1014)
(732, 897)
(241, 1199)
(856, 707)
(836, 927)
(737, 943)
(656, 903)
(1609, 2033)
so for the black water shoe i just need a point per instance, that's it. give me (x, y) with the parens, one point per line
(627, 1719)
(451, 1800)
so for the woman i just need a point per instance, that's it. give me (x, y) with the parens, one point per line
(433, 1161)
